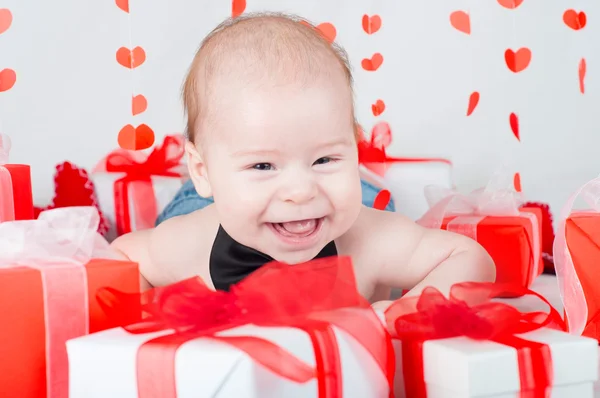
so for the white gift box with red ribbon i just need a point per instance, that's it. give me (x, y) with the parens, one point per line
(405, 178)
(133, 187)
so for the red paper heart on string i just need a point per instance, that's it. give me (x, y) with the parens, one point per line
(511, 4)
(378, 107)
(473, 101)
(582, 70)
(517, 182)
(381, 135)
(373, 63)
(371, 24)
(131, 59)
(5, 19)
(382, 199)
(136, 138)
(8, 77)
(514, 125)
(326, 29)
(138, 104)
(461, 21)
(517, 61)
(237, 7)
(575, 20)
(123, 5)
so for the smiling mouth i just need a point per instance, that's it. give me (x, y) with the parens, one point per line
(298, 230)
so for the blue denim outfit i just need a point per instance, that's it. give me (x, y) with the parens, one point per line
(187, 200)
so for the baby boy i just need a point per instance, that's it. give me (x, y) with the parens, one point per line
(273, 139)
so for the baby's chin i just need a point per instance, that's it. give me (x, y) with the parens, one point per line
(294, 257)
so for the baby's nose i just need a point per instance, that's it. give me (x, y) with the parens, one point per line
(299, 188)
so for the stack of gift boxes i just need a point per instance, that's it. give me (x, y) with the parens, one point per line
(74, 323)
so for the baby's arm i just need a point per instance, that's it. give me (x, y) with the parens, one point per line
(413, 257)
(173, 251)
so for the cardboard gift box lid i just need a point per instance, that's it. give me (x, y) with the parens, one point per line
(472, 368)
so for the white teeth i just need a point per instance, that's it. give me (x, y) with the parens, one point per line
(300, 227)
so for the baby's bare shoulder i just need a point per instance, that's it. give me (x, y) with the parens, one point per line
(376, 235)
(177, 249)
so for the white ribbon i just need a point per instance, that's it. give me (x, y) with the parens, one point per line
(569, 285)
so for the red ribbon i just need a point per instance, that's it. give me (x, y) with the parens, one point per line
(313, 297)
(160, 162)
(470, 312)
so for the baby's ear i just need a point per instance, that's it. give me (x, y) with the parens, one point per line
(197, 170)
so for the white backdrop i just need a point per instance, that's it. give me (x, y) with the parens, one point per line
(72, 97)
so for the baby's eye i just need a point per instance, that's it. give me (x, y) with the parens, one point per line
(323, 160)
(263, 166)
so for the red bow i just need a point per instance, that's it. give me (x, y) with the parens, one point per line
(470, 312)
(160, 162)
(313, 297)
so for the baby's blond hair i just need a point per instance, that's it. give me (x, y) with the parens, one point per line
(274, 41)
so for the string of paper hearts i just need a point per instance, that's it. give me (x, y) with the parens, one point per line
(516, 61)
(8, 77)
(142, 136)
(577, 20)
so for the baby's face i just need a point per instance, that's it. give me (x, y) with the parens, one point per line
(282, 164)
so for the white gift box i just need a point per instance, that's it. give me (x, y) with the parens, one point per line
(154, 179)
(165, 189)
(406, 180)
(104, 365)
(460, 367)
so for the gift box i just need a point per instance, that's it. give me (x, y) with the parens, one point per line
(472, 346)
(405, 177)
(132, 188)
(16, 200)
(50, 272)
(496, 219)
(258, 340)
(576, 254)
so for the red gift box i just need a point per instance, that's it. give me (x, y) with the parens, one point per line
(576, 254)
(16, 201)
(511, 234)
(50, 272)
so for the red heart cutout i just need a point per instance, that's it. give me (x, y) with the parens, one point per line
(131, 59)
(5, 19)
(123, 5)
(473, 101)
(461, 21)
(378, 107)
(514, 125)
(575, 20)
(136, 138)
(371, 24)
(511, 4)
(373, 63)
(582, 70)
(8, 77)
(382, 199)
(517, 182)
(139, 104)
(237, 7)
(381, 135)
(517, 61)
(326, 29)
